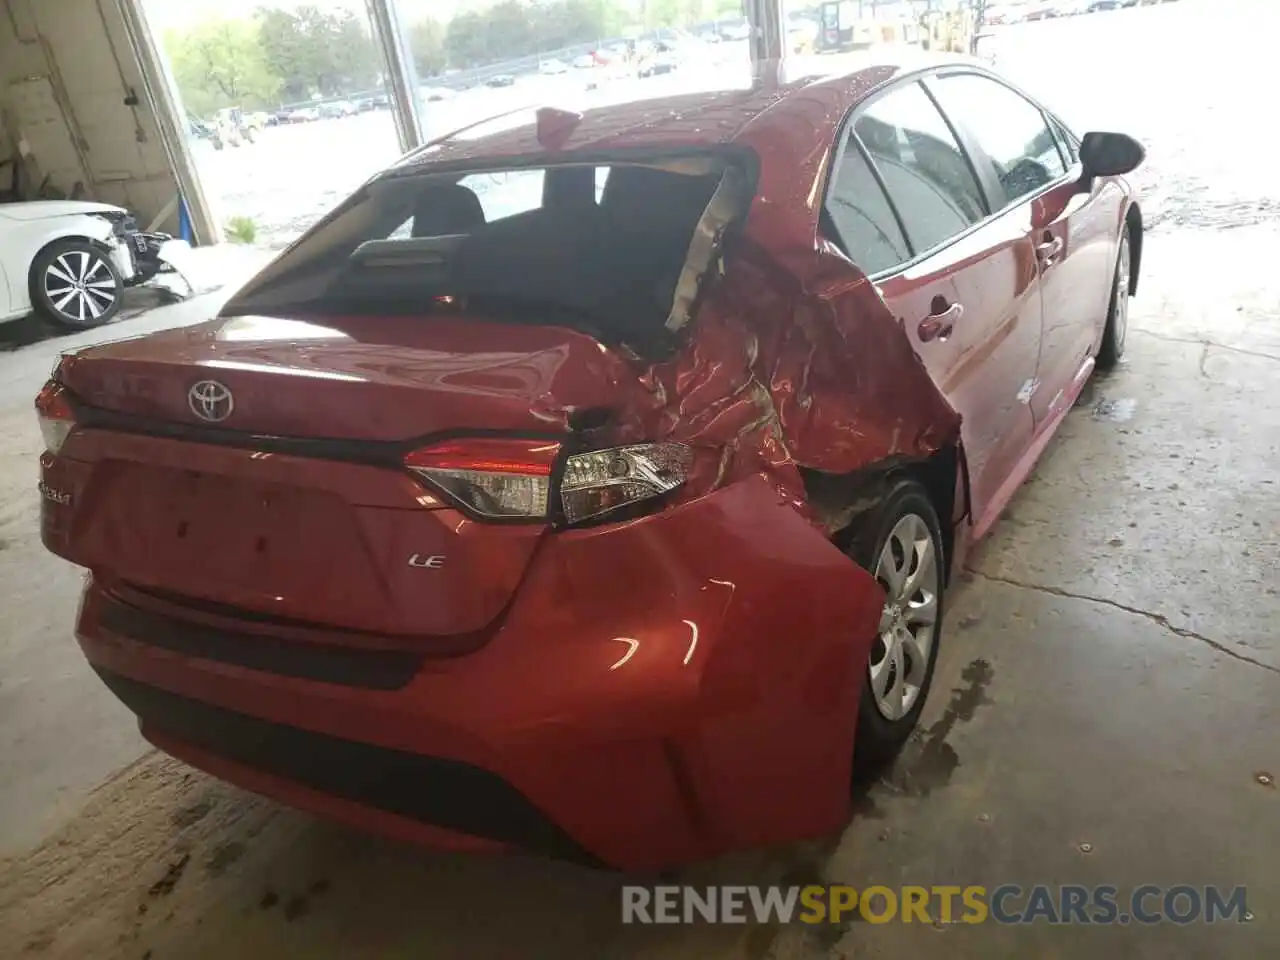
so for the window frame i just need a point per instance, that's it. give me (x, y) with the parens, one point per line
(974, 145)
(846, 133)
(826, 215)
(1066, 138)
(969, 148)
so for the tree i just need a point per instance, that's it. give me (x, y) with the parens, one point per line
(287, 51)
(355, 63)
(220, 64)
(508, 30)
(511, 29)
(466, 42)
(314, 52)
(426, 46)
(679, 13)
(563, 24)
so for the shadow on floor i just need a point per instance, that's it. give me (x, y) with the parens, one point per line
(33, 329)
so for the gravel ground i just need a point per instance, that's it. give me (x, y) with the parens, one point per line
(1188, 79)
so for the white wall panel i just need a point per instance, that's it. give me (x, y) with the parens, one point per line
(66, 71)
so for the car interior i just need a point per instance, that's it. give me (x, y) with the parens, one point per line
(600, 256)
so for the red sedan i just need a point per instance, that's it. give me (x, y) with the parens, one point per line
(589, 483)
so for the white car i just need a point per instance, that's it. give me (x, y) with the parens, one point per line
(552, 67)
(67, 260)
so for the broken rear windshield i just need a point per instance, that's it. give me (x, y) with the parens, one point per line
(614, 248)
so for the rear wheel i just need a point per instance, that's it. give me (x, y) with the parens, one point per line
(900, 544)
(1113, 336)
(75, 285)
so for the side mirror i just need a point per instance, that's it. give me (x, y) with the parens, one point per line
(1110, 154)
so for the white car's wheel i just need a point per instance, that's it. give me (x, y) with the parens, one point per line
(75, 285)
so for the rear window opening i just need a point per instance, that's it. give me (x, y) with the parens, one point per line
(616, 249)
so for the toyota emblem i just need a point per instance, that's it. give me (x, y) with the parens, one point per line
(210, 401)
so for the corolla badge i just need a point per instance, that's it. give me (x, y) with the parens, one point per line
(53, 494)
(210, 401)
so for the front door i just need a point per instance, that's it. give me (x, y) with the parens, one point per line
(1028, 174)
(963, 285)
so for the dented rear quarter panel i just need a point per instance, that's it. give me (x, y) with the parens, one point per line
(794, 360)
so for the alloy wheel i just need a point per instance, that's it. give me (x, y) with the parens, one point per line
(1120, 320)
(908, 571)
(80, 286)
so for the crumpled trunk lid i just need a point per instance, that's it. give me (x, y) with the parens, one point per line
(165, 499)
(362, 379)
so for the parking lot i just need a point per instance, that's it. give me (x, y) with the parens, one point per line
(294, 173)
(1107, 695)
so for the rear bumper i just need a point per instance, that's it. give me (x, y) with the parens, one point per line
(453, 797)
(659, 692)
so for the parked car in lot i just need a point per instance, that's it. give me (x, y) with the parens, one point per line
(500, 80)
(233, 127)
(200, 129)
(1040, 10)
(337, 109)
(590, 483)
(1099, 5)
(661, 59)
(552, 67)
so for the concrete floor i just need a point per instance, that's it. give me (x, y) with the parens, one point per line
(60, 734)
(1110, 677)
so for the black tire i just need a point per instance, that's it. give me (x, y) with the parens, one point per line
(1117, 329)
(74, 285)
(881, 736)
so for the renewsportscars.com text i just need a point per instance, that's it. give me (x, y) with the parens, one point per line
(1006, 904)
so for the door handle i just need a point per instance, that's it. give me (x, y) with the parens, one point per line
(1048, 251)
(939, 324)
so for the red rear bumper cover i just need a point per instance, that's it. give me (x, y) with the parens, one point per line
(660, 691)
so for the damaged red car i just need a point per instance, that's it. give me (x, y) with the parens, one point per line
(589, 483)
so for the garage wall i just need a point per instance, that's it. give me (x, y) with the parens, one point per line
(67, 81)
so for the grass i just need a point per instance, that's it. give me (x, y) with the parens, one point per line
(241, 230)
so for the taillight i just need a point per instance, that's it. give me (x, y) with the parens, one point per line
(499, 478)
(55, 414)
(603, 481)
(504, 478)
